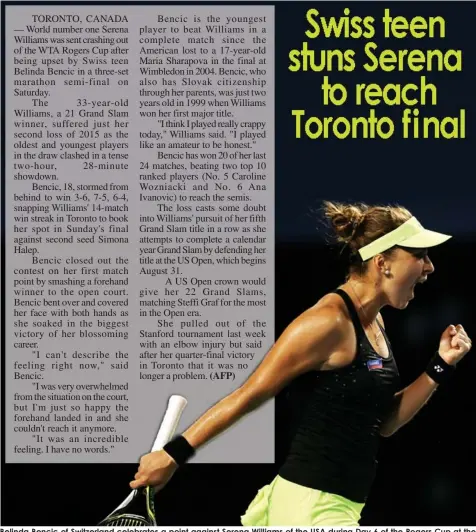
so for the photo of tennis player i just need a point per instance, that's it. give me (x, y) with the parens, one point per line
(356, 396)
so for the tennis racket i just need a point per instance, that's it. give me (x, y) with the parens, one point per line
(138, 508)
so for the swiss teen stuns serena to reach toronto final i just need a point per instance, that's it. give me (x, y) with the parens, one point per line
(356, 395)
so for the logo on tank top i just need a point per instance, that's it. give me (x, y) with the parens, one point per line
(374, 364)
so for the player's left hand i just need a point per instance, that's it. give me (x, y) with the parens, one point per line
(454, 344)
(155, 469)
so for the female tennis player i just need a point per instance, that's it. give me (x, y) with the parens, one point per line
(356, 395)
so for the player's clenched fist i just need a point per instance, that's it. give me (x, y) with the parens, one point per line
(454, 344)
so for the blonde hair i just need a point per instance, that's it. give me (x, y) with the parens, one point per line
(356, 225)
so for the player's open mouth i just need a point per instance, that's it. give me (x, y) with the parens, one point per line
(421, 280)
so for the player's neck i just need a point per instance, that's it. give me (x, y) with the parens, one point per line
(366, 297)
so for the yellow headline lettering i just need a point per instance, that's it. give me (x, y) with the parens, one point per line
(416, 127)
(376, 59)
(408, 94)
(356, 27)
(322, 60)
(413, 60)
(347, 27)
(373, 126)
(369, 127)
(399, 27)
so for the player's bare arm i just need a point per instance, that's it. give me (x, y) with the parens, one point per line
(305, 345)
(454, 345)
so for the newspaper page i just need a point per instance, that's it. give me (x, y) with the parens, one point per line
(211, 213)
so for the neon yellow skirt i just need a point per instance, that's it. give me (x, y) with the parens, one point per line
(283, 503)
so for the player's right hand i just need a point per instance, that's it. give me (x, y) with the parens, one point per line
(454, 344)
(155, 469)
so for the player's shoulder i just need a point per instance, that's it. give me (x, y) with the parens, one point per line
(329, 317)
(332, 307)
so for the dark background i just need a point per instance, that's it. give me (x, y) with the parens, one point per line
(426, 470)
